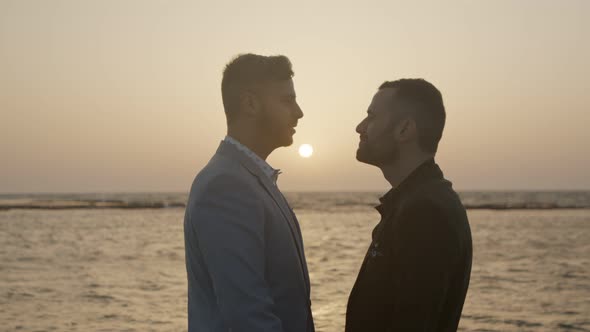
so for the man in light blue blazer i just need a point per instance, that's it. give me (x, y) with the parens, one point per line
(245, 262)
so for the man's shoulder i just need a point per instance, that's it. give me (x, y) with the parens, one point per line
(437, 195)
(222, 172)
(435, 205)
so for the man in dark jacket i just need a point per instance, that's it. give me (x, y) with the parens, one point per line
(416, 272)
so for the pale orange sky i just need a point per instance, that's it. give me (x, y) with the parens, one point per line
(125, 95)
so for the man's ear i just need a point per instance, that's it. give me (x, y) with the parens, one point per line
(249, 103)
(406, 129)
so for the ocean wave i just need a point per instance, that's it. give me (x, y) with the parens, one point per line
(314, 201)
(524, 206)
(92, 205)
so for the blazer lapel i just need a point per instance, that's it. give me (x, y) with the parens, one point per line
(273, 191)
(291, 220)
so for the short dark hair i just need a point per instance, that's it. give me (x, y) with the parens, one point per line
(247, 70)
(427, 109)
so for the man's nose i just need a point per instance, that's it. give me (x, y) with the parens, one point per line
(299, 112)
(360, 127)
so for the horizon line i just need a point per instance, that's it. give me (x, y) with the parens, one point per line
(285, 191)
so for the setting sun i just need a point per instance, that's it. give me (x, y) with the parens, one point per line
(305, 150)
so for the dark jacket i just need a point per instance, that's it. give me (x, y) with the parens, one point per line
(416, 272)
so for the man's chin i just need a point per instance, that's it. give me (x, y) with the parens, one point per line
(360, 156)
(289, 140)
(363, 157)
(286, 141)
(278, 141)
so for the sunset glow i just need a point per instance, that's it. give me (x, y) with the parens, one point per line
(305, 150)
(103, 96)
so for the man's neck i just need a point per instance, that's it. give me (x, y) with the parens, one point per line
(396, 172)
(251, 141)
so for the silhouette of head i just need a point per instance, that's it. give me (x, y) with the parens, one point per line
(406, 116)
(259, 96)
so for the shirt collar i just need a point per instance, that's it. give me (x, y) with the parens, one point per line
(272, 173)
(427, 170)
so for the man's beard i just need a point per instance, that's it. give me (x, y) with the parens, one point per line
(377, 158)
(276, 135)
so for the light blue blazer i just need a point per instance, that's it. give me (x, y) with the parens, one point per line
(245, 263)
